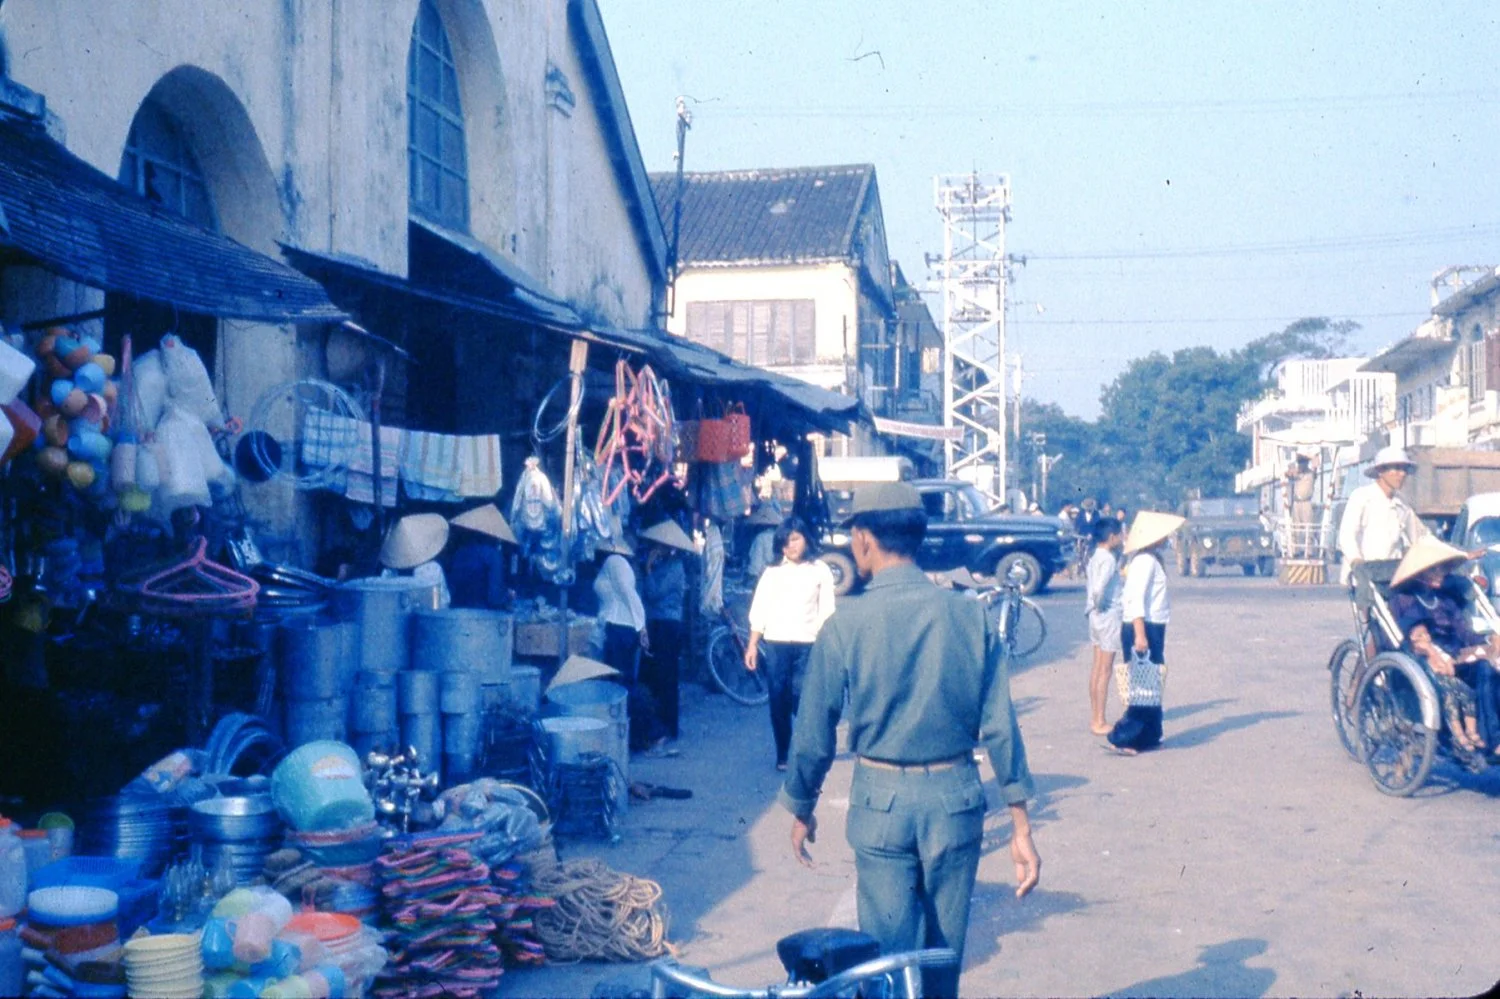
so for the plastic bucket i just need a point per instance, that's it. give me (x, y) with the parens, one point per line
(372, 708)
(571, 736)
(312, 721)
(465, 639)
(526, 688)
(604, 700)
(381, 609)
(459, 693)
(417, 692)
(317, 658)
(424, 733)
(320, 786)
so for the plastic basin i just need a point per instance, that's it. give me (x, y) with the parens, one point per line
(320, 786)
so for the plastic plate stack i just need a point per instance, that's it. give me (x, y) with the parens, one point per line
(169, 966)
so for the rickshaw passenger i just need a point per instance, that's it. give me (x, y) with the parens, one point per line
(1430, 604)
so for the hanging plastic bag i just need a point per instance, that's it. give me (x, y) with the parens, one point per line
(150, 390)
(184, 481)
(188, 384)
(535, 513)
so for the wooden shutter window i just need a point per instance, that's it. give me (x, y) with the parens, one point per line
(1492, 361)
(804, 332)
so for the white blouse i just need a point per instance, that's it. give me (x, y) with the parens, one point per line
(619, 603)
(792, 600)
(1145, 592)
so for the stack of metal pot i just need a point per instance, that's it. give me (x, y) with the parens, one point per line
(380, 610)
(417, 699)
(238, 831)
(317, 675)
(471, 651)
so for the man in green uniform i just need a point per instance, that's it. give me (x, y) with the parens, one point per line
(927, 681)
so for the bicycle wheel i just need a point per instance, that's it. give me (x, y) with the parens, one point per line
(1344, 673)
(1030, 630)
(726, 662)
(1398, 746)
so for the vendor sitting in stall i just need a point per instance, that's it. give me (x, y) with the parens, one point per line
(1430, 604)
(411, 549)
(475, 563)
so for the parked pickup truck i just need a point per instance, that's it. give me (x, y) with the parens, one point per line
(962, 532)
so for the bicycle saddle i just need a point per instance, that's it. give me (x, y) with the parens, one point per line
(814, 956)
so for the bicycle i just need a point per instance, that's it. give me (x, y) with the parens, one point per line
(726, 662)
(825, 962)
(1018, 620)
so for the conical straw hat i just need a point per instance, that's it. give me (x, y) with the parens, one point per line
(1149, 528)
(1426, 553)
(669, 534)
(486, 520)
(580, 668)
(415, 539)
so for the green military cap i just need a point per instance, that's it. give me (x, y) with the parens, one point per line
(885, 496)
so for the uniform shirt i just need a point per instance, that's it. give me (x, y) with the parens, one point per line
(1376, 527)
(792, 600)
(762, 553)
(618, 601)
(1144, 594)
(1103, 587)
(927, 681)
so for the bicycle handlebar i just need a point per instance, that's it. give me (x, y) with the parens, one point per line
(667, 972)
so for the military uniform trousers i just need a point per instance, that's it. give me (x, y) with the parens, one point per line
(916, 839)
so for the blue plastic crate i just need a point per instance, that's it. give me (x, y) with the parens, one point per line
(87, 872)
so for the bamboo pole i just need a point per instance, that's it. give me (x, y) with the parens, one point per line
(577, 361)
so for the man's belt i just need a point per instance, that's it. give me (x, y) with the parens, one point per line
(920, 768)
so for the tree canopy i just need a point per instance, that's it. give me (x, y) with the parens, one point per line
(1167, 427)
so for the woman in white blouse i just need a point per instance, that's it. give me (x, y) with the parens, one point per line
(620, 609)
(792, 600)
(1145, 612)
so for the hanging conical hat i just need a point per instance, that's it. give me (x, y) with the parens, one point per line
(669, 534)
(1426, 553)
(486, 520)
(1149, 528)
(579, 668)
(415, 539)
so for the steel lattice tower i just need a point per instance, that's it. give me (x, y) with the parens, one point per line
(975, 208)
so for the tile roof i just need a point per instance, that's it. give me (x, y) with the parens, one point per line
(60, 212)
(794, 215)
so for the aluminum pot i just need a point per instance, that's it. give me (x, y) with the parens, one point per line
(381, 609)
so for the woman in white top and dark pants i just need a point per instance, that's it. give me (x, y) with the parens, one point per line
(792, 600)
(620, 609)
(1146, 611)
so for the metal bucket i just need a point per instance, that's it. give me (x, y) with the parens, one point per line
(317, 658)
(570, 736)
(465, 639)
(417, 692)
(312, 721)
(372, 708)
(381, 610)
(526, 688)
(424, 733)
(459, 694)
(604, 700)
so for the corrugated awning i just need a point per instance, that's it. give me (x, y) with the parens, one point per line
(62, 214)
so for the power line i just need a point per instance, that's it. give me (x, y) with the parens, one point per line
(1336, 244)
(1283, 105)
(1019, 321)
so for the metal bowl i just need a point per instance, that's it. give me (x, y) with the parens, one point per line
(233, 819)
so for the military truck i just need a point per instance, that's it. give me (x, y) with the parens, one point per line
(1224, 532)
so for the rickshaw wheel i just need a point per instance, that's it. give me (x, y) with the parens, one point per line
(1396, 746)
(1343, 684)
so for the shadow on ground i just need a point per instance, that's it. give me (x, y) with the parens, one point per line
(997, 913)
(1221, 971)
(1205, 734)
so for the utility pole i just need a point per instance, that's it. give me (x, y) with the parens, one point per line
(1016, 397)
(684, 122)
(975, 209)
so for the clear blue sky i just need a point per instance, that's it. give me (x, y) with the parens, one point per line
(1222, 168)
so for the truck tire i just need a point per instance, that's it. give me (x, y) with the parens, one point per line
(1034, 576)
(1195, 567)
(844, 573)
(1248, 568)
(1268, 567)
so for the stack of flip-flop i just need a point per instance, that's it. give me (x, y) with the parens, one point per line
(517, 933)
(440, 906)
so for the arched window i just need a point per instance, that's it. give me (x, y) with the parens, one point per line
(437, 163)
(160, 166)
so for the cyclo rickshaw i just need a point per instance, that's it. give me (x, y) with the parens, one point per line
(1387, 710)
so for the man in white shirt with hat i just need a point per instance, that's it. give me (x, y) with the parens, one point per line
(1378, 524)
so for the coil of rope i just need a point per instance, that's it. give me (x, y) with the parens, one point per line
(600, 915)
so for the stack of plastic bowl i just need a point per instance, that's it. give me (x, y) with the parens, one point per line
(169, 966)
(77, 923)
(244, 830)
(144, 827)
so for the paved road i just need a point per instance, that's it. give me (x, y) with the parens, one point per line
(1248, 857)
